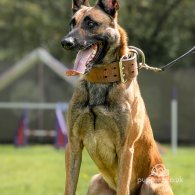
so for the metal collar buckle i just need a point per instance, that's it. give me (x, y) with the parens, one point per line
(132, 54)
(121, 68)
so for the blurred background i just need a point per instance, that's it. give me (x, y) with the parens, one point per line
(33, 84)
(163, 30)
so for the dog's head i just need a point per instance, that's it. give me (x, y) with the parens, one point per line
(94, 33)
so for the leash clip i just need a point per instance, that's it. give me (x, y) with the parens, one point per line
(143, 61)
(138, 52)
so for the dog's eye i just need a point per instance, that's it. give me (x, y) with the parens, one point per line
(91, 24)
(88, 22)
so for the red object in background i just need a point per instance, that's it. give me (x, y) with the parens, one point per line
(21, 134)
(61, 138)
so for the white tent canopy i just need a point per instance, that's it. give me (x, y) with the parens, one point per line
(29, 61)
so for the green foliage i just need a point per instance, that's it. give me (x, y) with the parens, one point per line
(163, 29)
(40, 170)
(26, 25)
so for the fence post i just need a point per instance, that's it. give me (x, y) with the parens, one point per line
(174, 121)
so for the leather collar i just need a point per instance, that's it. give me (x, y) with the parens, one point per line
(123, 71)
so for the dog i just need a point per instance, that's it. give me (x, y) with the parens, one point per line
(107, 114)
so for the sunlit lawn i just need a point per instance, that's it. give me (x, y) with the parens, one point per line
(40, 170)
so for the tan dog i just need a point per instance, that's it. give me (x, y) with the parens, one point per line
(107, 116)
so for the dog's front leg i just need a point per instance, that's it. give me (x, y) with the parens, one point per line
(73, 159)
(125, 171)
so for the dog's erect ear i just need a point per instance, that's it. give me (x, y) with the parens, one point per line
(109, 6)
(76, 4)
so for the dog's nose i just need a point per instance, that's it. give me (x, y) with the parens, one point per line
(68, 43)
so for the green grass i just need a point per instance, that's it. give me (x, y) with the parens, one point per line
(182, 170)
(40, 170)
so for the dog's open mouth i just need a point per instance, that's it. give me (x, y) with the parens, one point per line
(85, 59)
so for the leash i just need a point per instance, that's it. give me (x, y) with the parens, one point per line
(143, 65)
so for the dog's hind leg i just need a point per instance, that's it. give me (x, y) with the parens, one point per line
(157, 183)
(151, 187)
(98, 186)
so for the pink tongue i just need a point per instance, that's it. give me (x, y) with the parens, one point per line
(80, 63)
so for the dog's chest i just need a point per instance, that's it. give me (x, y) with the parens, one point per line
(103, 113)
(100, 129)
(102, 137)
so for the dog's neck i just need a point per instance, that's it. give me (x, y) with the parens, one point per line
(117, 50)
(123, 49)
(98, 93)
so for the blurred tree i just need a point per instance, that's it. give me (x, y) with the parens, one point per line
(163, 29)
(26, 25)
